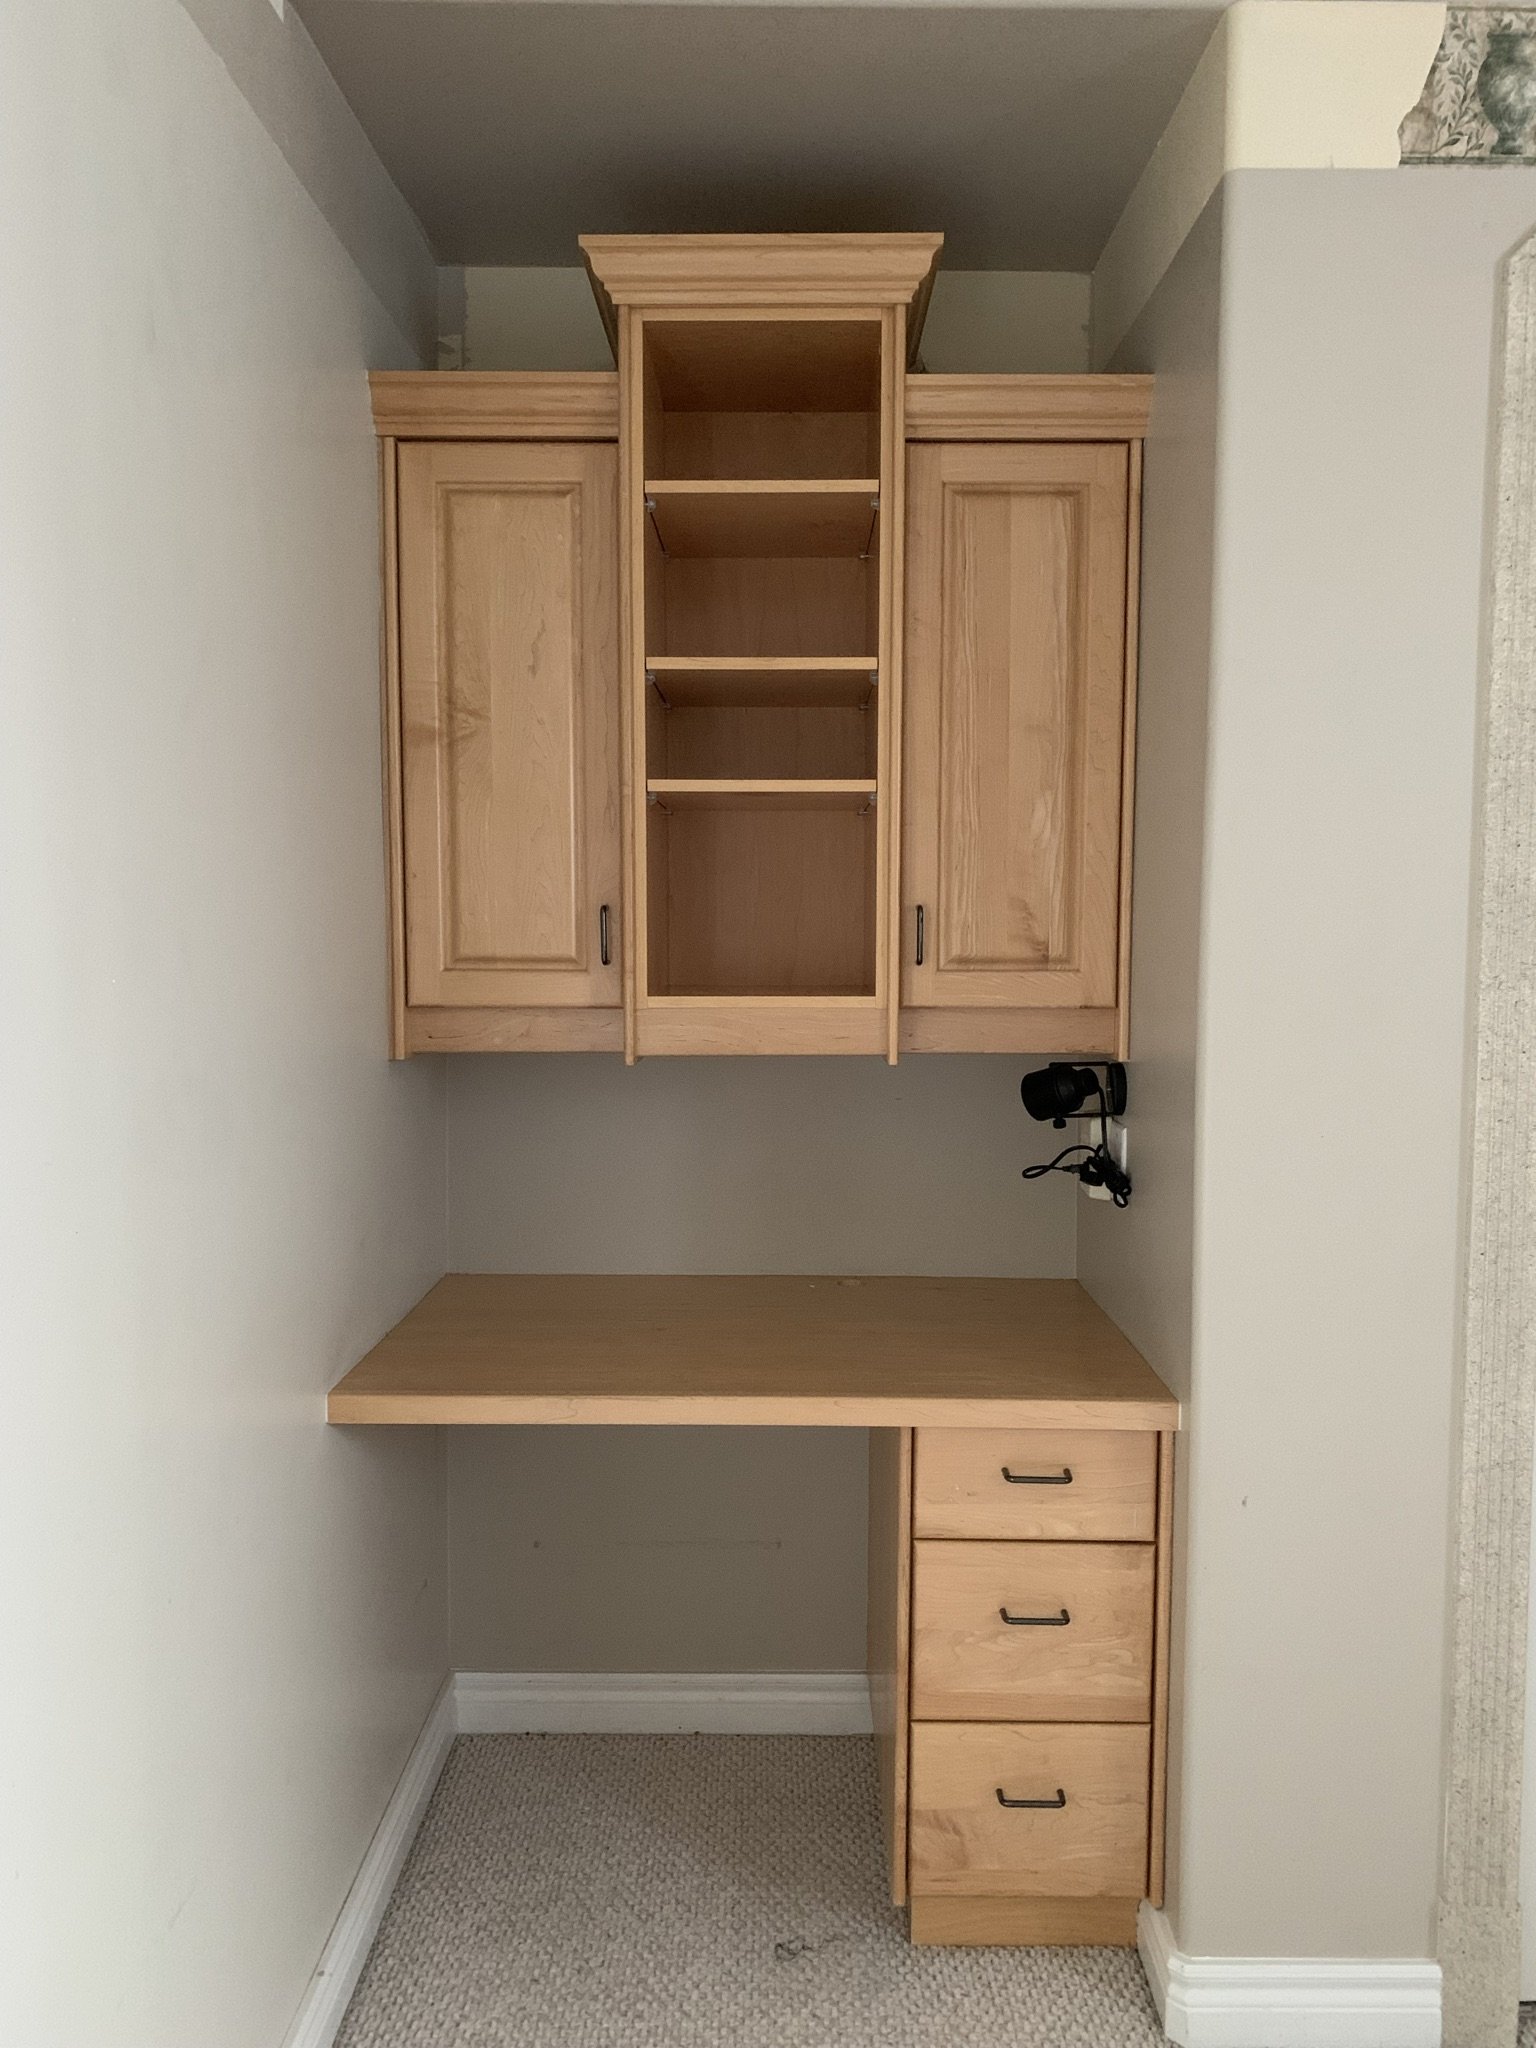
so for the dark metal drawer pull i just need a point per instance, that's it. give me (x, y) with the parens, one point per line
(1035, 1620)
(1061, 1478)
(1059, 1801)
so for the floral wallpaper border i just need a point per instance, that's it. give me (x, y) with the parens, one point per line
(1479, 101)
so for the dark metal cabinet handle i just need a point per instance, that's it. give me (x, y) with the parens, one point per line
(1036, 1620)
(604, 950)
(1061, 1478)
(1054, 1804)
(920, 924)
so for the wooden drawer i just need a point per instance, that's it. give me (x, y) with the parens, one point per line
(969, 1663)
(961, 1487)
(963, 1840)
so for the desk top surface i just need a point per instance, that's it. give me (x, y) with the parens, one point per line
(766, 1349)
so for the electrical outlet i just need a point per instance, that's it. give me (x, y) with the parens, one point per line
(1120, 1152)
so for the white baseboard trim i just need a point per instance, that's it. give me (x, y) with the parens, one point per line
(662, 1703)
(1287, 2002)
(557, 1702)
(341, 1961)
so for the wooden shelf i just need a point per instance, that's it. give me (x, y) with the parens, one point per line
(765, 518)
(796, 682)
(764, 1350)
(717, 793)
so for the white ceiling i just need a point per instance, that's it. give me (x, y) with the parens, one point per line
(512, 126)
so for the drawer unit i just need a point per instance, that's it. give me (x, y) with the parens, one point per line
(1092, 1485)
(1033, 1809)
(1019, 1625)
(1032, 1631)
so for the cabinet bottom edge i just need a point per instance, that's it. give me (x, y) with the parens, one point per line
(996, 1920)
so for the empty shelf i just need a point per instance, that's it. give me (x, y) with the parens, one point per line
(676, 793)
(727, 682)
(765, 518)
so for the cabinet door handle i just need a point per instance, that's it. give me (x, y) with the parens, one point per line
(1035, 1620)
(1061, 1478)
(1055, 1804)
(920, 923)
(604, 951)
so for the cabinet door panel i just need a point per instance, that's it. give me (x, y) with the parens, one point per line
(1015, 691)
(509, 681)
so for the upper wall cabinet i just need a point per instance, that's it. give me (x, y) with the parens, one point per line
(1014, 737)
(656, 781)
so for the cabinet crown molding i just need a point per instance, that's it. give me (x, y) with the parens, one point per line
(1027, 408)
(495, 405)
(742, 270)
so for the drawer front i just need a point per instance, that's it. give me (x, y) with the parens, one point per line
(1099, 1485)
(1091, 1845)
(969, 1663)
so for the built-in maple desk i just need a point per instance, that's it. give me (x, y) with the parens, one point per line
(1020, 1454)
(776, 1349)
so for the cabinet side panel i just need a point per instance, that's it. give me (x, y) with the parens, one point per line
(890, 1570)
(1157, 1818)
(394, 824)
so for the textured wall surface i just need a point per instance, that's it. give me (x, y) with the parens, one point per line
(221, 1623)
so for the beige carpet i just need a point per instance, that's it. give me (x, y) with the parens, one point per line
(693, 1891)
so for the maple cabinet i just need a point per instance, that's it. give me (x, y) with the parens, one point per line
(1014, 741)
(768, 696)
(508, 741)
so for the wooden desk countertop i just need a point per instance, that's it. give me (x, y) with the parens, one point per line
(766, 1349)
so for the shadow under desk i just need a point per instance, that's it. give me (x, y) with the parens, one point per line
(1021, 1483)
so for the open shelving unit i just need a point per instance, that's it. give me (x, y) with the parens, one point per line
(760, 430)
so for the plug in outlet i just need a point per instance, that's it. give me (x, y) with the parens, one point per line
(1120, 1152)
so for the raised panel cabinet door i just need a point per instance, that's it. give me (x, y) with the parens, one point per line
(1015, 702)
(508, 558)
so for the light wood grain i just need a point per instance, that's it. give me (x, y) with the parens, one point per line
(782, 362)
(969, 1664)
(1128, 749)
(1027, 408)
(964, 1841)
(888, 1635)
(756, 1023)
(763, 606)
(510, 717)
(758, 270)
(960, 1490)
(744, 738)
(1013, 721)
(765, 518)
(521, 1029)
(495, 405)
(1033, 1034)
(990, 1921)
(641, 601)
(1157, 1828)
(770, 444)
(803, 793)
(390, 713)
(769, 1349)
(891, 538)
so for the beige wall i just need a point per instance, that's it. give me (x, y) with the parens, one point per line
(546, 319)
(1139, 1261)
(222, 1623)
(1352, 412)
(731, 1550)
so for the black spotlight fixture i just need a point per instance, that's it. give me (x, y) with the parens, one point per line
(1067, 1089)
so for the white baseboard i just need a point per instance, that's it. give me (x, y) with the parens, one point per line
(1287, 2002)
(341, 1961)
(662, 1703)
